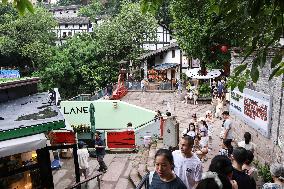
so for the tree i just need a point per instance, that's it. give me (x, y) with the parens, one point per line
(21, 5)
(27, 38)
(203, 25)
(90, 60)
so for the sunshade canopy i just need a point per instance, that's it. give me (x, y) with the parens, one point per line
(194, 73)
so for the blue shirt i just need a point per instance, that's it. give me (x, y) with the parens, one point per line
(100, 142)
(157, 183)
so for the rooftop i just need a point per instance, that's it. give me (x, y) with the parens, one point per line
(155, 52)
(72, 20)
(28, 111)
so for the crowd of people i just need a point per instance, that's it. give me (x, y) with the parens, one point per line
(231, 168)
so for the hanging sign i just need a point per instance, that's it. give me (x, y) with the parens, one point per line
(124, 139)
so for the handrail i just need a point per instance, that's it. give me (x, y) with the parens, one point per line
(146, 123)
(86, 180)
(144, 181)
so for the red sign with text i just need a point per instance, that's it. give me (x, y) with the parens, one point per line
(124, 139)
(62, 137)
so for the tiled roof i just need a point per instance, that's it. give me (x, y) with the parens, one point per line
(152, 53)
(28, 111)
(72, 20)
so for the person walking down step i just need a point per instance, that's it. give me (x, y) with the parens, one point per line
(188, 167)
(244, 181)
(163, 176)
(100, 152)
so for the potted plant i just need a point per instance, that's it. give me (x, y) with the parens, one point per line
(204, 90)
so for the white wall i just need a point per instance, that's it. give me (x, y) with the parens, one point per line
(163, 39)
(167, 57)
(73, 28)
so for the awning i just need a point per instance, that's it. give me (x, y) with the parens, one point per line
(23, 144)
(194, 73)
(165, 66)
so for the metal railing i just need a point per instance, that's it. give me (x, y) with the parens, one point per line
(136, 85)
(79, 184)
(144, 182)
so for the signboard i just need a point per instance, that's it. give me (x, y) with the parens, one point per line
(9, 73)
(105, 114)
(123, 139)
(62, 137)
(253, 108)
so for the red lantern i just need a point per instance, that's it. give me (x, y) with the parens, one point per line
(224, 49)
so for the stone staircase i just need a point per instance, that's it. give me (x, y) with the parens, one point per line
(144, 163)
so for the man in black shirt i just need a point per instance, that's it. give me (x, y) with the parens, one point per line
(100, 152)
(244, 181)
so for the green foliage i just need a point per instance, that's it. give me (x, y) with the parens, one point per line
(90, 60)
(26, 38)
(68, 2)
(202, 25)
(92, 10)
(204, 89)
(21, 5)
(264, 172)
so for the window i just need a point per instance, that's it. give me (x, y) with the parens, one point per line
(90, 25)
(173, 53)
(74, 11)
(67, 11)
(66, 25)
(60, 12)
(69, 33)
(64, 34)
(80, 25)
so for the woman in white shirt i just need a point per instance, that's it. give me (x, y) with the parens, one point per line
(190, 131)
(247, 144)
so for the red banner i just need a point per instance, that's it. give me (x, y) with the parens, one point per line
(124, 139)
(62, 137)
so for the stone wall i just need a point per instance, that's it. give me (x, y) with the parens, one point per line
(268, 149)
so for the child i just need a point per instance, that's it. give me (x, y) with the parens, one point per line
(227, 148)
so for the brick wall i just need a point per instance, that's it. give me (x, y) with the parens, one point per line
(267, 150)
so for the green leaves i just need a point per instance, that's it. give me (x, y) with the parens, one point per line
(240, 69)
(276, 59)
(214, 9)
(22, 5)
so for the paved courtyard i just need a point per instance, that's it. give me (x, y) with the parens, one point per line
(174, 102)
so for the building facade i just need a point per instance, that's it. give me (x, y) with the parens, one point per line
(69, 26)
(163, 38)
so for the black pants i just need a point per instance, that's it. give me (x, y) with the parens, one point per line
(102, 164)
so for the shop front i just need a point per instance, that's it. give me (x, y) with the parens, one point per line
(163, 76)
